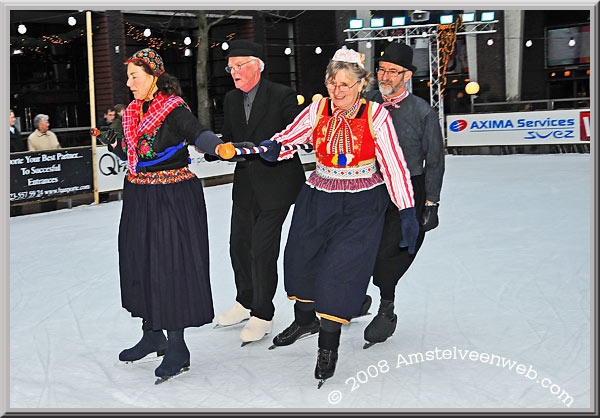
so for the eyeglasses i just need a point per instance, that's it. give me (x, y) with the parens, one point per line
(237, 67)
(343, 87)
(392, 73)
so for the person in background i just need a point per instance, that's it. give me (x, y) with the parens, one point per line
(418, 129)
(117, 123)
(262, 191)
(117, 126)
(338, 216)
(42, 138)
(109, 116)
(17, 144)
(163, 233)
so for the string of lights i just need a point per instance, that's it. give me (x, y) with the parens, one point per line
(446, 38)
(143, 33)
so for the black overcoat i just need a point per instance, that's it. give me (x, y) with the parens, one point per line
(274, 185)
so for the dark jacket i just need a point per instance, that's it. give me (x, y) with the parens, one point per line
(117, 125)
(420, 136)
(179, 127)
(17, 143)
(274, 185)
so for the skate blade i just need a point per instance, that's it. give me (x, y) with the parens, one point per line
(218, 326)
(163, 379)
(246, 343)
(298, 339)
(367, 345)
(148, 359)
(320, 383)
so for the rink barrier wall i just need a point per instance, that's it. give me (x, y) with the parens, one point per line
(553, 127)
(62, 173)
(48, 175)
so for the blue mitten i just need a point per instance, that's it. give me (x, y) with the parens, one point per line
(410, 229)
(273, 153)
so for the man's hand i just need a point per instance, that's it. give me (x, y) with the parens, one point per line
(430, 219)
(108, 137)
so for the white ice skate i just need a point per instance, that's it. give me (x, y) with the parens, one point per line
(234, 315)
(255, 329)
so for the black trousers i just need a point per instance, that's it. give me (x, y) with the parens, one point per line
(392, 261)
(254, 248)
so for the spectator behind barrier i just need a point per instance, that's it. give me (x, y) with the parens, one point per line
(16, 142)
(42, 138)
(109, 116)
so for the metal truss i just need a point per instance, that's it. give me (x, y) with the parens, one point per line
(430, 31)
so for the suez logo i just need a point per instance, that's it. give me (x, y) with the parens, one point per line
(458, 125)
(534, 129)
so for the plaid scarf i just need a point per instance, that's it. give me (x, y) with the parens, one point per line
(394, 101)
(133, 128)
(339, 133)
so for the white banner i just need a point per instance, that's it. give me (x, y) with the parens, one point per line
(570, 126)
(111, 170)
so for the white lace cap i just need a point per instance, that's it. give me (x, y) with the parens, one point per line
(349, 55)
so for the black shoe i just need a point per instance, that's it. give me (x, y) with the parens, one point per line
(176, 358)
(326, 361)
(383, 325)
(152, 341)
(292, 333)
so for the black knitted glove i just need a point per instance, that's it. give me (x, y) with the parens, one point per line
(430, 218)
(410, 229)
(107, 137)
(273, 153)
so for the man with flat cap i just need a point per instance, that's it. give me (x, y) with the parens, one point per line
(418, 129)
(262, 192)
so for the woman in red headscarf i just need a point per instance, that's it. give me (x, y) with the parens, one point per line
(163, 236)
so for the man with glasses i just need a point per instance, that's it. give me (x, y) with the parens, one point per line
(262, 191)
(418, 130)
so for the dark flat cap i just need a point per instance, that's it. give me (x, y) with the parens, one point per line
(244, 48)
(399, 54)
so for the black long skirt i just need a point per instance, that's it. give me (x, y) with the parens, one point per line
(163, 254)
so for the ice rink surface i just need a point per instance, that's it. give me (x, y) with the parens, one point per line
(494, 312)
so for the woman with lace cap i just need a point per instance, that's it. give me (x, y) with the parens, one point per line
(163, 235)
(339, 213)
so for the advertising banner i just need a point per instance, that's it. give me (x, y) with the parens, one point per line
(570, 126)
(50, 174)
(111, 170)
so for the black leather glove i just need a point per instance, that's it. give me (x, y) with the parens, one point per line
(430, 217)
(107, 137)
(410, 229)
(273, 153)
(209, 157)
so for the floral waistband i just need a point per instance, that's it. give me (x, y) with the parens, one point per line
(352, 172)
(161, 177)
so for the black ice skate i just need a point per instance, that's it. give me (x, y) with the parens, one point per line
(325, 368)
(176, 359)
(295, 332)
(382, 326)
(152, 341)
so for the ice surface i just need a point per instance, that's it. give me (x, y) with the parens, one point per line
(506, 273)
